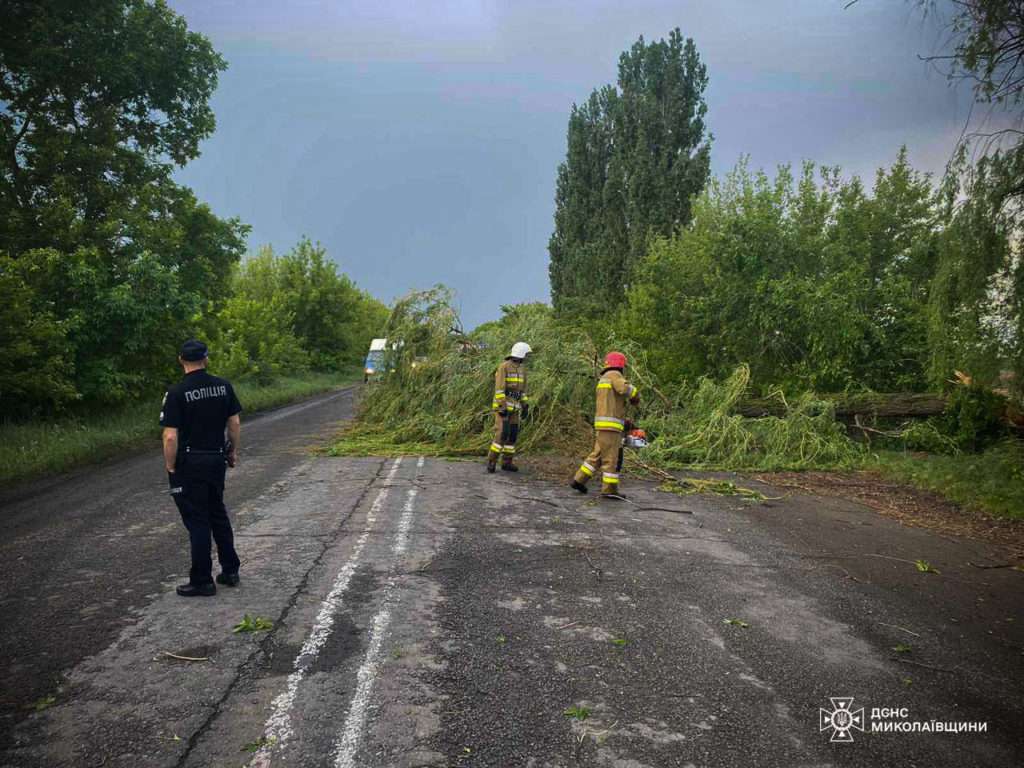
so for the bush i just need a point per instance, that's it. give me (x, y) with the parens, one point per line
(972, 417)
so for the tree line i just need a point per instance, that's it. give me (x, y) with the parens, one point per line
(106, 263)
(815, 281)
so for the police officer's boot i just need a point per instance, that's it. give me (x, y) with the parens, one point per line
(197, 590)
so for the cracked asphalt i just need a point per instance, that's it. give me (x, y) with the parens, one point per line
(427, 614)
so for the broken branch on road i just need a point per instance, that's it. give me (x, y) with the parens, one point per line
(186, 658)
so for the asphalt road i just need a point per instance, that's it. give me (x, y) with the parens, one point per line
(425, 613)
(81, 553)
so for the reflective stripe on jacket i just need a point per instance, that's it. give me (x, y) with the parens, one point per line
(612, 393)
(509, 386)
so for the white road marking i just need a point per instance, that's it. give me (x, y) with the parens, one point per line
(279, 726)
(345, 750)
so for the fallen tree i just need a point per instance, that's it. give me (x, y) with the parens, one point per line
(897, 405)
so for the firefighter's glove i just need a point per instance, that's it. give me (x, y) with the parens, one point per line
(526, 411)
(630, 426)
(503, 413)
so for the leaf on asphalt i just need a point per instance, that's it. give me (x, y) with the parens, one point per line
(901, 648)
(260, 743)
(579, 712)
(736, 622)
(620, 640)
(500, 639)
(907, 681)
(924, 567)
(253, 624)
(44, 703)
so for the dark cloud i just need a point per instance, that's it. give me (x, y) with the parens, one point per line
(419, 141)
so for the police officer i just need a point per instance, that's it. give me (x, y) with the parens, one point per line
(195, 413)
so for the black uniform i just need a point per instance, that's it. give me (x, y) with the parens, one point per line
(199, 406)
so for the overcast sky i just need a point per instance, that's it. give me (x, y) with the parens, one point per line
(418, 141)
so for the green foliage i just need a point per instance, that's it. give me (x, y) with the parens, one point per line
(441, 404)
(98, 103)
(252, 624)
(260, 743)
(577, 711)
(924, 567)
(972, 417)
(814, 287)
(44, 703)
(704, 431)
(925, 436)
(257, 340)
(635, 156)
(36, 371)
(975, 321)
(293, 312)
(112, 316)
(99, 100)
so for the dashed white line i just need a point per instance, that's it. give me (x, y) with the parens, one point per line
(348, 744)
(279, 727)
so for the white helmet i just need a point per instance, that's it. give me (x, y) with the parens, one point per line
(520, 349)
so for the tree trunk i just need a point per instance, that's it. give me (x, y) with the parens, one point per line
(898, 404)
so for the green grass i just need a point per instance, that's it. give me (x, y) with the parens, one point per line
(33, 449)
(991, 482)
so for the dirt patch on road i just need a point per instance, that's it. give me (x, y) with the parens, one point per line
(908, 505)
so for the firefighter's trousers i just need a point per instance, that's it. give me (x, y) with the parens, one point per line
(606, 458)
(506, 430)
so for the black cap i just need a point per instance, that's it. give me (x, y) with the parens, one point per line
(193, 350)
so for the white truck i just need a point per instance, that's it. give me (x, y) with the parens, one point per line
(374, 358)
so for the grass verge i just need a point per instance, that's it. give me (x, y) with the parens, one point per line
(991, 482)
(33, 449)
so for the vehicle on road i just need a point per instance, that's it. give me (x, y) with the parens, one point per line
(374, 358)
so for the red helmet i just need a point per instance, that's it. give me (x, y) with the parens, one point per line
(615, 360)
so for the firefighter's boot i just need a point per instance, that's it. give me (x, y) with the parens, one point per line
(506, 463)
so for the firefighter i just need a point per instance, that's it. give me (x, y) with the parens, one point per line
(510, 406)
(610, 422)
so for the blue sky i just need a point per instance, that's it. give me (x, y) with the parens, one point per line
(419, 141)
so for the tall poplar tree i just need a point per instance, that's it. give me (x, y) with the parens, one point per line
(635, 156)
